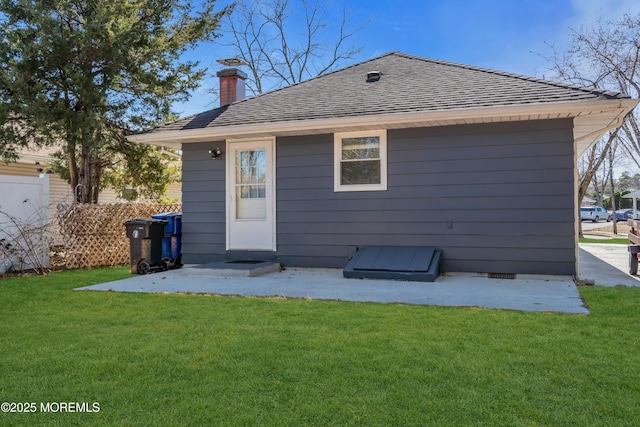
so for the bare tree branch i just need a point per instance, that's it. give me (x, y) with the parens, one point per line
(605, 56)
(285, 43)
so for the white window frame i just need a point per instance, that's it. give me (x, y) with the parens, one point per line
(337, 156)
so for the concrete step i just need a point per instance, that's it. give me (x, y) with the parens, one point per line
(233, 269)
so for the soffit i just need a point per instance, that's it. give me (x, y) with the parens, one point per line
(591, 120)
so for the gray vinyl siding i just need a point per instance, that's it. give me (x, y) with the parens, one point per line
(496, 198)
(203, 204)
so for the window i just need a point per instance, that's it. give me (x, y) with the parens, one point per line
(251, 184)
(360, 161)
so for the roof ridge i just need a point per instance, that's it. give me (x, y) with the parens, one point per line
(514, 75)
(447, 63)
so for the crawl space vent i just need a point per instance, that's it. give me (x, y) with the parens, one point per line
(501, 275)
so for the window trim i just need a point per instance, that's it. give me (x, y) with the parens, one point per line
(337, 161)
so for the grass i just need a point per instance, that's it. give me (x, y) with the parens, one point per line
(158, 359)
(613, 240)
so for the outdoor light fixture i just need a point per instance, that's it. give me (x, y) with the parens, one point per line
(215, 153)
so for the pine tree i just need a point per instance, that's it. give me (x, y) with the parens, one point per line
(85, 73)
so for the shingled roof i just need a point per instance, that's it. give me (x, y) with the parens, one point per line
(408, 86)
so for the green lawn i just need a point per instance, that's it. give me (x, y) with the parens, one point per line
(169, 360)
(614, 240)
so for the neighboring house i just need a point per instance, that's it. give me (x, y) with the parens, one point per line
(395, 151)
(32, 162)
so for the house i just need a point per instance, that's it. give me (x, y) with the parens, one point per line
(395, 151)
(35, 160)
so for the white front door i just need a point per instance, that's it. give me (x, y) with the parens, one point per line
(251, 195)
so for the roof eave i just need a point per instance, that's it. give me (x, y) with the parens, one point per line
(610, 113)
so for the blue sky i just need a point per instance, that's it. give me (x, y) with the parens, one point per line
(506, 35)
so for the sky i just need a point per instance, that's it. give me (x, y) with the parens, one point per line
(507, 35)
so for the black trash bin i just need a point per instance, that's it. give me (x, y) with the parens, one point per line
(145, 243)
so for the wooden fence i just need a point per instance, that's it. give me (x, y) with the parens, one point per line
(95, 235)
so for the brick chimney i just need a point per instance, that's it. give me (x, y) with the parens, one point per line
(231, 85)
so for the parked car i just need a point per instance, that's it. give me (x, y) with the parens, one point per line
(594, 214)
(625, 214)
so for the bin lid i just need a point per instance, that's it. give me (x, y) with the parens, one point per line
(146, 221)
(167, 215)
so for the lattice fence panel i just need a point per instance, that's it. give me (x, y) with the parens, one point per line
(95, 235)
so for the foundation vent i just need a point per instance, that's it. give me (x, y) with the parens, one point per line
(501, 275)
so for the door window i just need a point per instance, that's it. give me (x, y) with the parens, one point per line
(251, 184)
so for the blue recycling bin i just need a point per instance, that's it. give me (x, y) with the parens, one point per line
(172, 240)
(174, 222)
(171, 246)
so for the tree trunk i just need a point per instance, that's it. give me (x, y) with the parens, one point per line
(73, 171)
(95, 190)
(85, 184)
(594, 165)
(613, 194)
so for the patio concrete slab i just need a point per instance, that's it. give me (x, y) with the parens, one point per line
(537, 294)
(605, 265)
